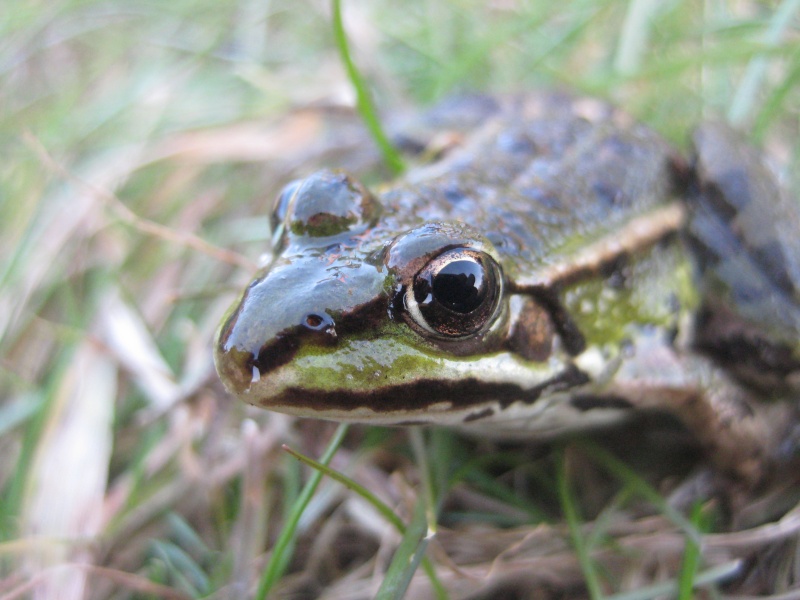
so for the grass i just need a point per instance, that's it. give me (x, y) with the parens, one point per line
(143, 143)
(283, 549)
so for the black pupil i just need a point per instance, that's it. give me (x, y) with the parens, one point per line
(459, 286)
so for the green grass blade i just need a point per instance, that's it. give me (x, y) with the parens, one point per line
(363, 99)
(570, 510)
(182, 568)
(692, 557)
(430, 504)
(774, 102)
(752, 81)
(383, 509)
(19, 410)
(407, 557)
(418, 444)
(635, 33)
(280, 555)
(466, 61)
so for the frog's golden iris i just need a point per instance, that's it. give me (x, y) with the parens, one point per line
(456, 294)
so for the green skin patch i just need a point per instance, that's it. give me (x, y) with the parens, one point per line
(653, 290)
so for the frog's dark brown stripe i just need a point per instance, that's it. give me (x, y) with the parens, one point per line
(479, 414)
(565, 325)
(744, 348)
(587, 402)
(418, 396)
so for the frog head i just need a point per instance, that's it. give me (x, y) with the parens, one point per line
(363, 316)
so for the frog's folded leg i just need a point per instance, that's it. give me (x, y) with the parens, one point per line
(741, 435)
(745, 228)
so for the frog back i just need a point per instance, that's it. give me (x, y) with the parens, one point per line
(543, 177)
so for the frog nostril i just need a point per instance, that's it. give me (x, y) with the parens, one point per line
(318, 322)
(314, 321)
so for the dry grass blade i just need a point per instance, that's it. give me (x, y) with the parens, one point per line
(125, 214)
(133, 346)
(67, 486)
(125, 580)
(787, 528)
(250, 526)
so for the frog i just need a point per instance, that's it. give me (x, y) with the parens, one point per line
(549, 266)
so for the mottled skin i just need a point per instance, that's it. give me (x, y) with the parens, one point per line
(543, 275)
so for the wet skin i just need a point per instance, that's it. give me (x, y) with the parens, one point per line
(558, 267)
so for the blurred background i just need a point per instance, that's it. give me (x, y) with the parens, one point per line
(141, 146)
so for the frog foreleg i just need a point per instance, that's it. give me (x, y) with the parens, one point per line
(739, 434)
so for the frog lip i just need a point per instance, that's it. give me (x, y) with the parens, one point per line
(388, 380)
(418, 400)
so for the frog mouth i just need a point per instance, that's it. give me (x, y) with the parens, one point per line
(385, 381)
(424, 401)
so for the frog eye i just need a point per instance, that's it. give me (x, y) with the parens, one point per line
(456, 294)
(325, 204)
